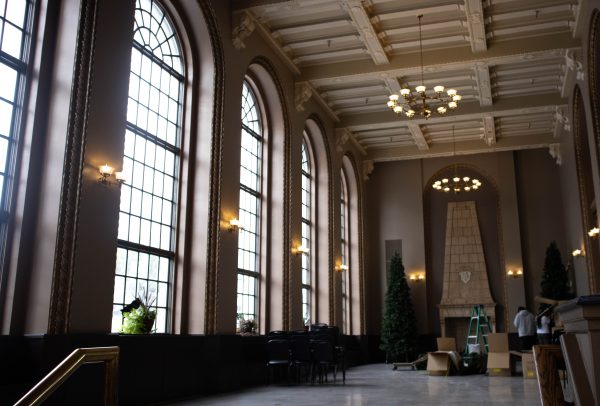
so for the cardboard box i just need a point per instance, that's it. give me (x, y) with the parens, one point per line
(528, 364)
(498, 362)
(438, 362)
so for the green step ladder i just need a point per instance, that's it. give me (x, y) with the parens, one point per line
(479, 328)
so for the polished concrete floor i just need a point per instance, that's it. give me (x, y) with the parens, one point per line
(379, 385)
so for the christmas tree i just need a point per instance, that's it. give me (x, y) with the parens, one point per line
(399, 332)
(555, 281)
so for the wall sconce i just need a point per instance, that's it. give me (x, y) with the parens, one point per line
(301, 249)
(106, 172)
(594, 232)
(517, 273)
(417, 277)
(341, 267)
(234, 225)
(577, 253)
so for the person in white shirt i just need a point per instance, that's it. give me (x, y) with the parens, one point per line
(544, 334)
(526, 328)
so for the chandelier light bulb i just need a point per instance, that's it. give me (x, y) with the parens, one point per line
(405, 92)
(456, 179)
(457, 97)
(452, 105)
(446, 189)
(438, 89)
(410, 113)
(441, 109)
(391, 104)
(394, 97)
(397, 109)
(444, 180)
(467, 188)
(466, 178)
(420, 89)
(451, 92)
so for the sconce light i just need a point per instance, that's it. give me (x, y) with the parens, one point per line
(341, 267)
(106, 172)
(301, 249)
(235, 225)
(594, 232)
(417, 277)
(577, 253)
(517, 273)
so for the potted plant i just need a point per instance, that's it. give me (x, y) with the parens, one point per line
(138, 316)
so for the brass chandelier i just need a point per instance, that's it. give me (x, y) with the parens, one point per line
(457, 183)
(422, 103)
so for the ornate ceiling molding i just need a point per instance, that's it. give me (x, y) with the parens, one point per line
(554, 150)
(360, 19)
(489, 130)
(303, 91)
(476, 24)
(418, 137)
(242, 31)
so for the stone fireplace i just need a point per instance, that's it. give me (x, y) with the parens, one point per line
(465, 273)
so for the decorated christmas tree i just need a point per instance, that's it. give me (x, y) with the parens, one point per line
(555, 280)
(399, 331)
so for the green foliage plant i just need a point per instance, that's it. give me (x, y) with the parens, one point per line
(139, 316)
(555, 280)
(399, 330)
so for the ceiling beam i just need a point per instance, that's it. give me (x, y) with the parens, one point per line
(455, 58)
(368, 35)
(489, 130)
(476, 25)
(484, 85)
(418, 137)
(276, 46)
(542, 140)
(512, 106)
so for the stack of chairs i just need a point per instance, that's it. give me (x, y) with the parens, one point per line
(327, 351)
(306, 353)
(278, 354)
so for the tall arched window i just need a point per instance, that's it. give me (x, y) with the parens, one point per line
(344, 253)
(151, 163)
(15, 28)
(250, 207)
(306, 233)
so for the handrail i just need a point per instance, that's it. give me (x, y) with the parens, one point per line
(108, 355)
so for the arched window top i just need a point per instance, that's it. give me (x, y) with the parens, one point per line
(250, 113)
(154, 32)
(305, 159)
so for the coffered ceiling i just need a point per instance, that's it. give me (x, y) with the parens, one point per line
(513, 61)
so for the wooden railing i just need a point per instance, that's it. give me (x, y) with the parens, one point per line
(107, 355)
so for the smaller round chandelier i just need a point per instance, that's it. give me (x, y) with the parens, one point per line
(456, 183)
(422, 103)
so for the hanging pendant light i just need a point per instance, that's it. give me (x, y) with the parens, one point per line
(421, 102)
(457, 183)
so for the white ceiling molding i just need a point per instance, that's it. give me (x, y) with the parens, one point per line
(360, 19)
(342, 135)
(484, 86)
(554, 150)
(489, 130)
(463, 148)
(562, 122)
(272, 42)
(476, 24)
(242, 31)
(506, 52)
(368, 167)
(391, 83)
(468, 111)
(303, 91)
(573, 70)
(417, 134)
(332, 114)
